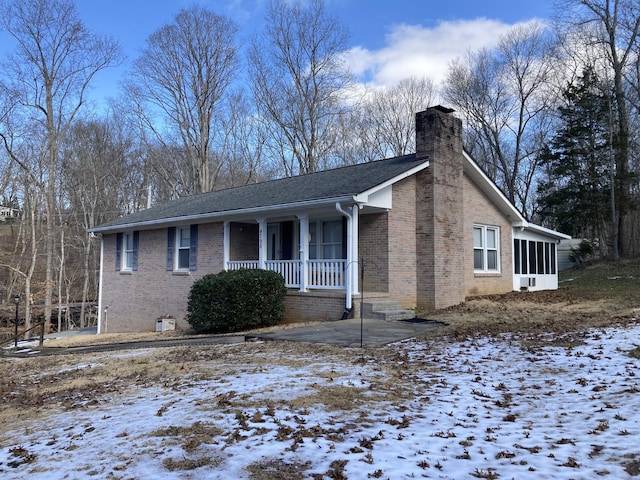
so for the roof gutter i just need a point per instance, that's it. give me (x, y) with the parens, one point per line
(220, 215)
(543, 230)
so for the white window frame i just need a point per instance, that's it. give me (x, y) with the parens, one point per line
(485, 249)
(127, 252)
(318, 242)
(333, 245)
(181, 248)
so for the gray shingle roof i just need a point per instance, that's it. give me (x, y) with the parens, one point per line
(328, 184)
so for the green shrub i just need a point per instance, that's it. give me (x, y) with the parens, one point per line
(582, 254)
(235, 300)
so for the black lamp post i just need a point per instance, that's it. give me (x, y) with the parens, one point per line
(16, 300)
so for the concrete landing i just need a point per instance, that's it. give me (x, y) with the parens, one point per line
(352, 333)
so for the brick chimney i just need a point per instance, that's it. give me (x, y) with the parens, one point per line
(439, 210)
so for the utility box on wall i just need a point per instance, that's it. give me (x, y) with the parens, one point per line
(526, 282)
(164, 324)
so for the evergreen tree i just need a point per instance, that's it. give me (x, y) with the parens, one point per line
(576, 196)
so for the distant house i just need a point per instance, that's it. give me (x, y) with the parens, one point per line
(7, 213)
(429, 228)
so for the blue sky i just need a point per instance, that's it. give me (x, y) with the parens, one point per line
(390, 39)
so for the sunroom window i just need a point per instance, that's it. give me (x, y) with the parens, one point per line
(534, 257)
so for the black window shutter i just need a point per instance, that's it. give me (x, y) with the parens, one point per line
(136, 243)
(193, 248)
(118, 250)
(171, 242)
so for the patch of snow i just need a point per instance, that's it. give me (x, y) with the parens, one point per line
(478, 407)
(80, 366)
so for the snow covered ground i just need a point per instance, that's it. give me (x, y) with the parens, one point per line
(482, 408)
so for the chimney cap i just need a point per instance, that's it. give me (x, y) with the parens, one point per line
(443, 109)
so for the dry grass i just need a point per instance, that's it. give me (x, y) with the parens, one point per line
(107, 338)
(190, 437)
(597, 296)
(36, 387)
(277, 470)
(333, 398)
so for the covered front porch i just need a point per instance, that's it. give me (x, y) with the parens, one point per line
(311, 251)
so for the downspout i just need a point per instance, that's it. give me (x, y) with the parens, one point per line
(348, 305)
(100, 281)
(355, 233)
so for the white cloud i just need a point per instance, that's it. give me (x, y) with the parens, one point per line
(415, 50)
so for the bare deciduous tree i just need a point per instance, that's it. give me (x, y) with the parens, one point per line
(298, 79)
(97, 161)
(7, 175)
(56, 59)
(505, 98)
(180, 82)
(246, 137)
(391, 115)
(29, 228)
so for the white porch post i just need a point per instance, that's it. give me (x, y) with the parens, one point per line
(304, 251)
(353, 262)
(226, 244)
(349, 270)
(262, 245)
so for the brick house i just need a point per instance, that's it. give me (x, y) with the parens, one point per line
(429, 229)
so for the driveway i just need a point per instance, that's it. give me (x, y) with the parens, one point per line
(350, 333)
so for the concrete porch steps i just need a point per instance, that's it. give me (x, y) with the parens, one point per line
(387, 310)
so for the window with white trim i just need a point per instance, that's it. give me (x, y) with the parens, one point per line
(486, 252)
(326, 240)
(332, 239)
(183, 248)
(127, 251)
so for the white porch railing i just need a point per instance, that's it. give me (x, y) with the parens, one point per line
(326, 274)
(289, 269)
(239, 264)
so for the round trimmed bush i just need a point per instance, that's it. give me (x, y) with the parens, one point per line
(235, 300)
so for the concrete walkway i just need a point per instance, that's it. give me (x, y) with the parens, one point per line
(352, 332)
